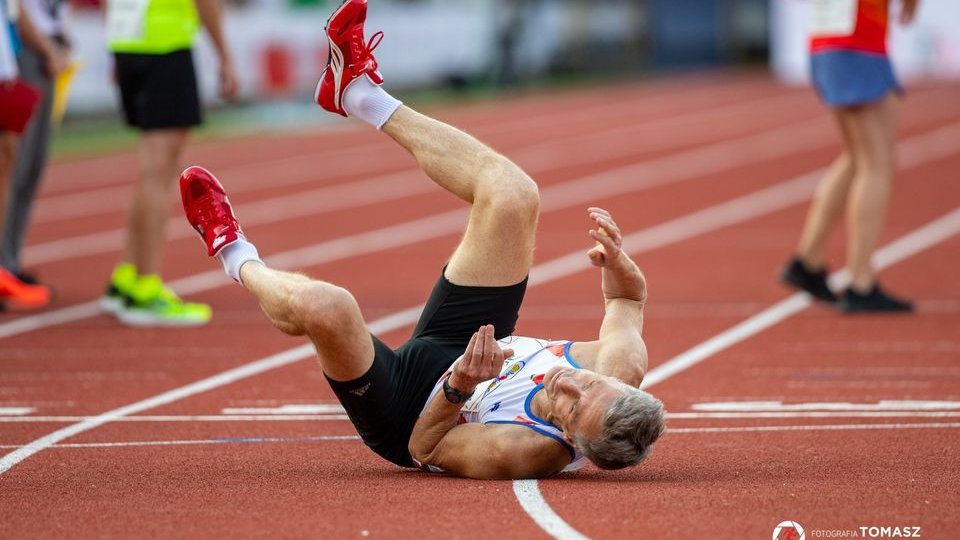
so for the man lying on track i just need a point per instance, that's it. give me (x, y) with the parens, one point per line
(461, 395)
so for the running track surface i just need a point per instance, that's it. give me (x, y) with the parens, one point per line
(709, 174)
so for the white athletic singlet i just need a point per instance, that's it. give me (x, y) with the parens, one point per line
(506, 399)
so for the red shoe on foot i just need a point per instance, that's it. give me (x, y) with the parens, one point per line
(208, 210)
(22, 294)
(350, 56)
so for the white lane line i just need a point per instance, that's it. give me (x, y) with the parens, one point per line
(779, 406)
(216, 381)
(815, 414)
(409, 316)
(383, 188)
(824, 427)
(344, 417)
(317, 438)
(290, 408)
(15, 411)
(181, 418)
(902, 248)
(532, 501)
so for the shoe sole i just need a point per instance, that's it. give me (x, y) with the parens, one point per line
(857, 310)
(110, 306)
(787, 280)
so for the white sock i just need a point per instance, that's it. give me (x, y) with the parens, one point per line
(235, 255)
(369, 102)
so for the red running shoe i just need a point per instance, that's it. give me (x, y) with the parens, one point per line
(350, 56)
(208, 210)
(22, 294)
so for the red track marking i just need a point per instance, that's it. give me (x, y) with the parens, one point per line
(300, 489)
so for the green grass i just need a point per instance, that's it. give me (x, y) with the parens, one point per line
(86, 136)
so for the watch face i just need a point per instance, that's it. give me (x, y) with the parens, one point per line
(452, 394)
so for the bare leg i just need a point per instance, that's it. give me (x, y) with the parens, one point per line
(7, 151)
(825, 212)
(327, 314)
(497, 247)
(828, 203)
(160, 153)
(872, 128)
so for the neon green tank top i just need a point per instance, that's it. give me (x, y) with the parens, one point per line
(151, 26)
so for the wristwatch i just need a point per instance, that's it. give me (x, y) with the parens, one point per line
(452, 394)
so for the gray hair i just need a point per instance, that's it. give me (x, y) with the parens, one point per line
(631, 425)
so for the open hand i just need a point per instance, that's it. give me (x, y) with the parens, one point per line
(229, 82)
(482, 360)
(55, 60)
(608, 237)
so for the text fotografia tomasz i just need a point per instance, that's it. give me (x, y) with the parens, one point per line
(869, 531)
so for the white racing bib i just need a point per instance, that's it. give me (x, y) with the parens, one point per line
(833, 17)
(126, 19)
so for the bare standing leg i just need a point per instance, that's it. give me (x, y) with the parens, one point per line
(160, 153)
(825, 211)
(872, 129)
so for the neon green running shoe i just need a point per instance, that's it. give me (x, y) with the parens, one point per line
(151, 303)
(122, 281)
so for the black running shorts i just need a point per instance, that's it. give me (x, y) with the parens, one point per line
(158, 91)
(385, 402)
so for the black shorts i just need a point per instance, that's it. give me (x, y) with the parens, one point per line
(385, 402)
(158, 91)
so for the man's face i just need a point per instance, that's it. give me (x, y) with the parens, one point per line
(579, 400)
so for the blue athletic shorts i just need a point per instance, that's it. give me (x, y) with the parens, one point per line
(851, 78)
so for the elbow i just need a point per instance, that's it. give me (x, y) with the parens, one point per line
(634, 367)
(632, 375)
(629, 364)
(419, 452)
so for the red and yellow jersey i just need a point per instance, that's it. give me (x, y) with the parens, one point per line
(859, 25)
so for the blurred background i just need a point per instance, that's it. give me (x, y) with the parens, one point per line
(470, 47)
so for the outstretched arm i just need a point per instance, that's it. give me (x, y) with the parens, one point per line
(495, 452)
(620, 351)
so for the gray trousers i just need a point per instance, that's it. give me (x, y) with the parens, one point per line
(30, 160)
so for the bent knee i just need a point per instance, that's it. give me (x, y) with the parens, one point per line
(513, 194)
(321, 308)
